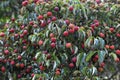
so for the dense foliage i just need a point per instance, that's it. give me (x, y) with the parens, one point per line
(61, 40)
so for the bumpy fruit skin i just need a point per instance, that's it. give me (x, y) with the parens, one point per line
(52, 35)
(40, 17)
(101, 35)
(12, 62)
(107, 46)
(112, 29)
(49, 14)
(24, 3)
(6, 52)
(102, 64)
(112, 47)
(117, 52)
(48, 56)
(22, 65)
(2, 34)
(71, 8)
(53, 39)
(56, 9)
(57, 72)
(71, 26)
(67, 22)
(100, 69)
(42, 68)
(54, 18)
(19, 57)
(98, 1)
(53, 45)
(40, 42)
(3, 69)
(68, 45)
(74, 59)
(65, 33)
(117, 60)
(71, 65)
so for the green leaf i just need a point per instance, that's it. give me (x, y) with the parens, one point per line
(113, 55)
(101, 42)
(89, 55)
(88, 41)
(101, 55)
(80, 58)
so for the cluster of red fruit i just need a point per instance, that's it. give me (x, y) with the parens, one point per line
(20, 52)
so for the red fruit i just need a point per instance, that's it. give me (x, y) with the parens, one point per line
(12, 62)
(112, 29)
(22, 65)
(25, 32)
(3, 69)
(24, 47)
(71, 65)
(100, 69)
(53, 39)
(112, 47)
(40, 17)
(2, 34)
(73, 51)
(42, 68)
(101, 35)
(68, 45)
(53, 45)
(15, 51)
(102, 64)
(92, 26)
(71, 8)
(65, 33)
(11, 30)
(117, 52)
(96, 56)
(22, 27)
(118, 35)
(107, 46)
(95, 21)
(19, 57)
(12, 19)
(74, 59)
(27, 70)
(31, 23)
(76, 28)
(67, 22)
(57, 72)
(19, 75)
(35, 26)
(117, 60)
(98, 1)
(43, 24)
(97, 24)
(21, 35)
(6, 52)
(54, 18)
(24, 3)
(40, 43)
(56, 9)
(49, 14)
(16, 35)
(71, 31)
(51, 35)
(82, 45)
(71, 26)
(48, 56)
(34, 59)
(32, 75)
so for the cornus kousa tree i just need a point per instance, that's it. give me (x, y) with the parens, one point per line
(61, 40)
